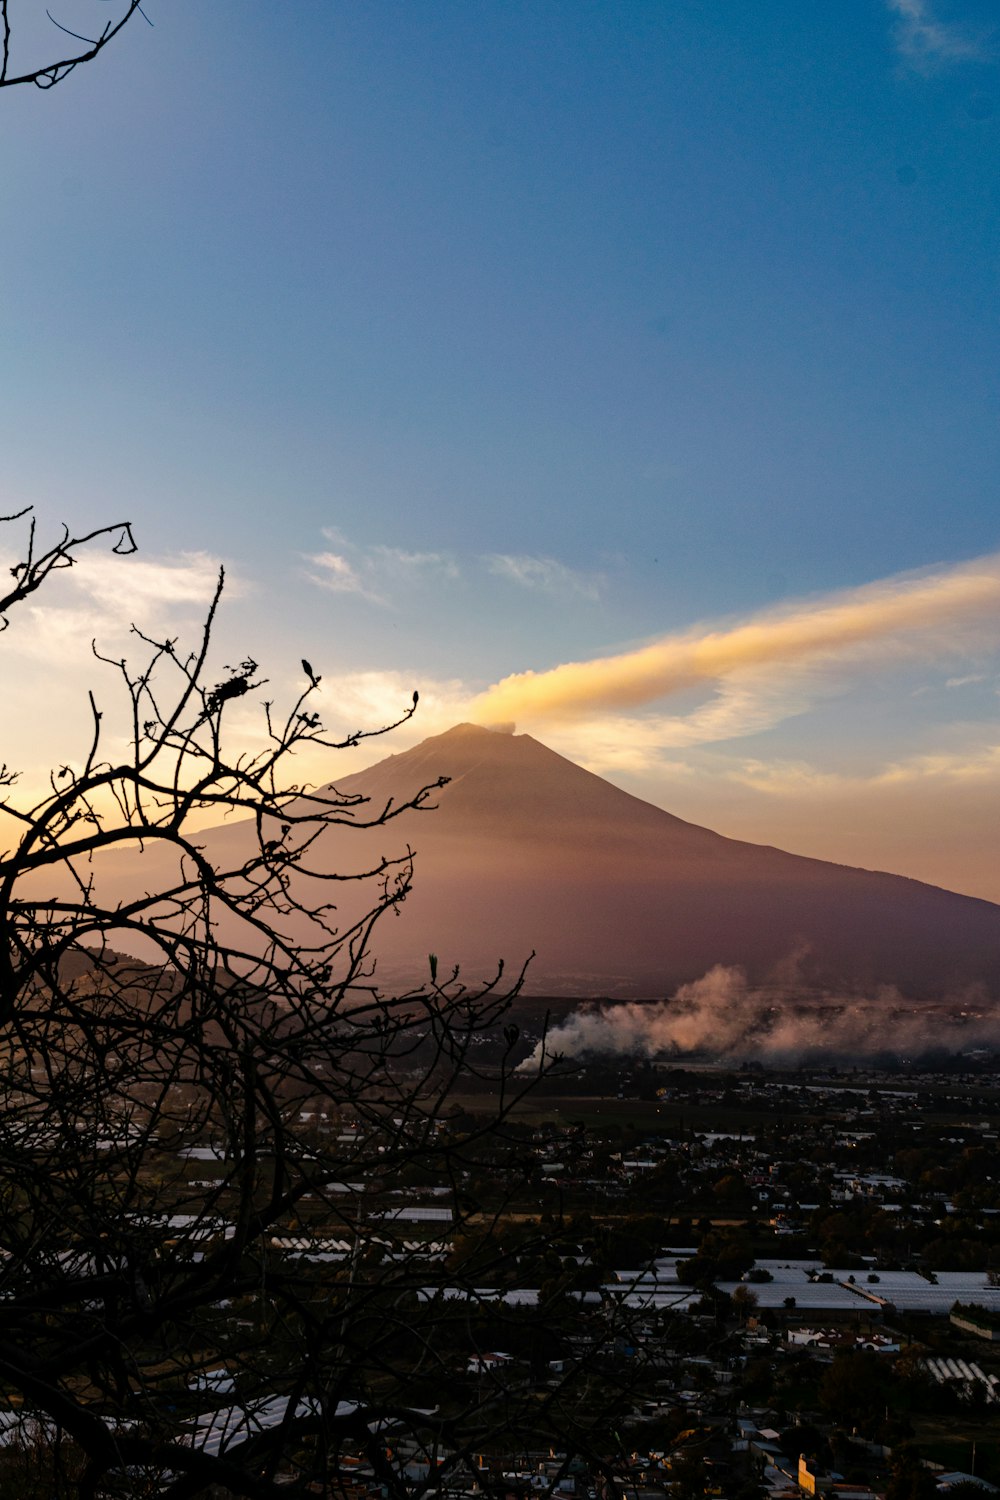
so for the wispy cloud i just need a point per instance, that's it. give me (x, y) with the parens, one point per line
(373, 573)
(800, 779)
(376, 572)
(100, 597)
(924, 617)
(630, 747)
(925, 42)
(352, 700)
(190, 578)
(544, 574)
(646, 742)
(47, 653)
(415, 564)
(333, 571)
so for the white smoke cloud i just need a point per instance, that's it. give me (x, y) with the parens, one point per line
(722, 1015)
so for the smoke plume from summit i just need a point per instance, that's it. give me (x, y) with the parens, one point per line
(889, 615)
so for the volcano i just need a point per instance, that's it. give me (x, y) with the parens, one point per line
(523, 852)
(526, 852)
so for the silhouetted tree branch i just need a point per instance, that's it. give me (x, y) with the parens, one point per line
(32, 569)
(54, 69)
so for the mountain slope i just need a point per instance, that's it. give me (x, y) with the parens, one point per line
(528, 851)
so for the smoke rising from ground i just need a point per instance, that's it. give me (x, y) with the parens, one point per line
(878, 617)
(722, 1016)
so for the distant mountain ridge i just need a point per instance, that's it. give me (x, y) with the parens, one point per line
(528, 851)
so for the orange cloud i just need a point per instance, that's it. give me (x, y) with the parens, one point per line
(912, 613)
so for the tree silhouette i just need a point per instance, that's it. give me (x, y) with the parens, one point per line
(61, 56)
(208, 1104)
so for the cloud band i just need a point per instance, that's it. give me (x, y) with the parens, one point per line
(885, 615)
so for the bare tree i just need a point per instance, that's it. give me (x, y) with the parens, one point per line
(62, 57)
(206, 1277)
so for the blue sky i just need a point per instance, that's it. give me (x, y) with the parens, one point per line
(480, 339)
